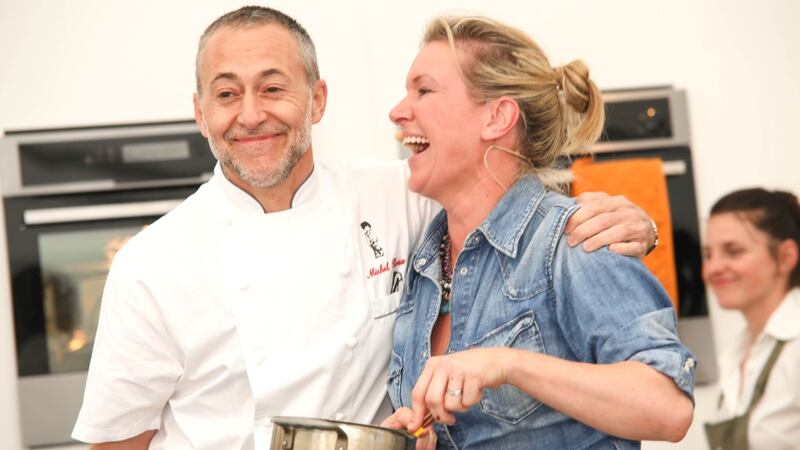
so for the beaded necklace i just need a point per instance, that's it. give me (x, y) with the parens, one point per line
(446, 282)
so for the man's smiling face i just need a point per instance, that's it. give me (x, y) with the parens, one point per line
(256, 106)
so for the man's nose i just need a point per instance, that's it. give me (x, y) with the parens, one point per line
(400, 113)
(252, 113)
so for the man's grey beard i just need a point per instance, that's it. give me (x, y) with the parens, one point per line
(274, 177)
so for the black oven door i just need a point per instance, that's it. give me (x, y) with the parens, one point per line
(60, 248)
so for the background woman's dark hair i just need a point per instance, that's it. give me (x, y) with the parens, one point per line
(776, 213)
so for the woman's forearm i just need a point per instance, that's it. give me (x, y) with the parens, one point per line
(627, 399)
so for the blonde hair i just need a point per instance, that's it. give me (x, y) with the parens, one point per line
(561, 108)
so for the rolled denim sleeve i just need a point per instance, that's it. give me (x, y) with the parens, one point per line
(613, 309)
(651, 339)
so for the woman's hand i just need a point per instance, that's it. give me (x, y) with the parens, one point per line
(613, 221)
(401, 419)
(455, 382)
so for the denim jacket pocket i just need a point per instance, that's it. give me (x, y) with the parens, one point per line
(507, 403)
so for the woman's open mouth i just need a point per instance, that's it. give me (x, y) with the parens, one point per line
(416, 144)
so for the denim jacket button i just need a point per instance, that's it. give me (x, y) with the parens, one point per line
(421, 262)
(464, 271)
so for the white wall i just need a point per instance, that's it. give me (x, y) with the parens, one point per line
(89, 62)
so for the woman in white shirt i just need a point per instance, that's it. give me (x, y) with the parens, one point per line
(751, 262)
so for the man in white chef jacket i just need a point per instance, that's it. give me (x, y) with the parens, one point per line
(261, 294)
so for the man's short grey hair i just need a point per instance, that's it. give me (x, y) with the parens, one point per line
(248, 16)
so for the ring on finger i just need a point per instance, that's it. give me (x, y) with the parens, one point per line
(454, 392)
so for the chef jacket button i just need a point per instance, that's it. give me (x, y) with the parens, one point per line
(244, 285)
(464, 271)
(226, 221)
(340, 416)
(351, 343)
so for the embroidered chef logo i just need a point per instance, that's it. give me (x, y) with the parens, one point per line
(373, 240)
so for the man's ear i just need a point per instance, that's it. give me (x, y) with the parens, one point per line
(500, 118)
(319, 100)
(198, 116)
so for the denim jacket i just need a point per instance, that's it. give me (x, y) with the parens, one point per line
(518, 284)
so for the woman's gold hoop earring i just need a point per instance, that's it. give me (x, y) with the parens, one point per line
(505, 150)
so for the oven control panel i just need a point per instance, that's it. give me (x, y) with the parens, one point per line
(103, 158)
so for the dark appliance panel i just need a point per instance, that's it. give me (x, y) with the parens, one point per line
(654, 122)
(71, 199)
(649, 123)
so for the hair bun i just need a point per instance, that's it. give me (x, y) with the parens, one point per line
(573, 80)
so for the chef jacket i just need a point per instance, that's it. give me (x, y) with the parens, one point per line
(219, 316)
(775, 420)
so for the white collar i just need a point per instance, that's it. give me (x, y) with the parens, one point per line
(243, 201)
(783, 323)
(308, 190)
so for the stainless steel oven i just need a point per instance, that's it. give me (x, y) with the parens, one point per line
(71, 199)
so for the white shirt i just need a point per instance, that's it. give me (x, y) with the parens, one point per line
(775, 420)
(219, 316)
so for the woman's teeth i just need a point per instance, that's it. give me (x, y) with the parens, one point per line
(416, 143)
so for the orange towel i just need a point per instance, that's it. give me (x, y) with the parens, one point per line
(642, 181)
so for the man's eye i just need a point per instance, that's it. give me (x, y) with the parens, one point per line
(423, 91)
(225, 94)
(272, 90)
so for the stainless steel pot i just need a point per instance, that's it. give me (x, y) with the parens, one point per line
(300, 433)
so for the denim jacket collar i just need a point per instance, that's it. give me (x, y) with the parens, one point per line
(508, 220)
(503, 227)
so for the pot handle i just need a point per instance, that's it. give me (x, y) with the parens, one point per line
(288, 435)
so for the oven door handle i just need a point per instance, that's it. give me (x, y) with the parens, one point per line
(108, 211)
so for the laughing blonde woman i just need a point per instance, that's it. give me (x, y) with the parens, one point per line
(506, 335)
